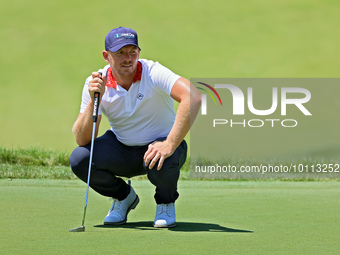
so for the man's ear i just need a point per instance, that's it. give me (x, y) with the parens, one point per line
(106, 56)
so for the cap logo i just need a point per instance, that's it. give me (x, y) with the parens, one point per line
(126, 35)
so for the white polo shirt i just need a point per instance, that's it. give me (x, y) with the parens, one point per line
(143, 113)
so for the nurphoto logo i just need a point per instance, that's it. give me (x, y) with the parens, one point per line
(279, 103)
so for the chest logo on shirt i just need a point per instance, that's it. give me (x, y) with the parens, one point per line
(140, 96)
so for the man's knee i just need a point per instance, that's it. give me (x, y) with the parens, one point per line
(79, 161)
(167, 176)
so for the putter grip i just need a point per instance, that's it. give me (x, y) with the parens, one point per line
(95, 106)
(96, 103)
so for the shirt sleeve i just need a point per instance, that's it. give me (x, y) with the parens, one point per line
(162, 77)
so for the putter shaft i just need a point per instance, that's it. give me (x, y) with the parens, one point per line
(89, 173)
(95, 115)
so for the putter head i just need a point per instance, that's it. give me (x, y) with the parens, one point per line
(79, 229)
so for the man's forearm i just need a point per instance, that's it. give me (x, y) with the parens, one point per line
(189, 100)
(83, 126)
(186, 114)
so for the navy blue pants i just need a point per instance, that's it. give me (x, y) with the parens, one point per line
(112, 159)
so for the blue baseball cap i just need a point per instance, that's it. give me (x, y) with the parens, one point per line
(119, 37)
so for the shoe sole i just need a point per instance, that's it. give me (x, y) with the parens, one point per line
(165, 226)
(132, 206)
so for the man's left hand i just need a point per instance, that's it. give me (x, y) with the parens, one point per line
(158, 150)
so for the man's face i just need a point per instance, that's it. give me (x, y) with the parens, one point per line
(124, 61)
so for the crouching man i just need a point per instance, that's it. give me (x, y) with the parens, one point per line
(146, 136)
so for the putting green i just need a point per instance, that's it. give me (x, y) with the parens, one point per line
(212, 218)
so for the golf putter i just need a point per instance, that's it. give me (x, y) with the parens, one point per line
(95, 116)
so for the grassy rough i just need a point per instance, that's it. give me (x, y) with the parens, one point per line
(17, 171)
(245, 39)
(34, 156)
(37, 163)
(34, 163)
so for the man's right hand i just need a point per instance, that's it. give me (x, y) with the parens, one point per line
(82, 128)
(97, 84)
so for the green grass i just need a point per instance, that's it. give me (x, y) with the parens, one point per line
(212, 218)
(37, 163)
(48, 48)
(34, 163)
(34, 156)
